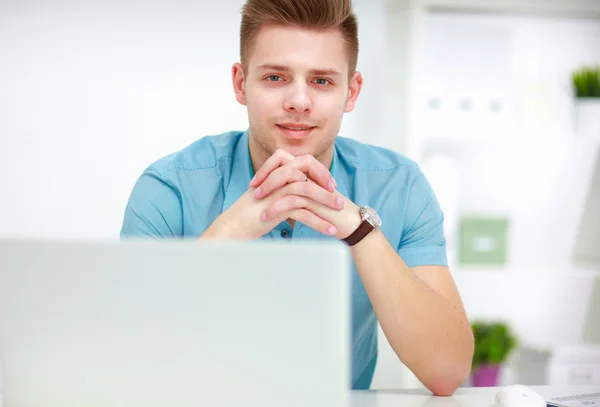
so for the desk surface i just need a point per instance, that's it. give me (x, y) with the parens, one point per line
(463, 397)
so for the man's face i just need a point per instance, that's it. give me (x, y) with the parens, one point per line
(296, 89)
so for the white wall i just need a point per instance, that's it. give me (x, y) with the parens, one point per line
(92, 94)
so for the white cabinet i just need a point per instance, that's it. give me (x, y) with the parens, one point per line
(573, 366)
(558, 365)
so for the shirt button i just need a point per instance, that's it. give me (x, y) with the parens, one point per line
(285, 233)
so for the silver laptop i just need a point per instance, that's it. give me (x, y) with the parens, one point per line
(174, 324)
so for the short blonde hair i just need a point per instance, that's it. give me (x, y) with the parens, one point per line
(309, 14)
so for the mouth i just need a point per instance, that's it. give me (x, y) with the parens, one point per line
(296, 127)
(295, 130)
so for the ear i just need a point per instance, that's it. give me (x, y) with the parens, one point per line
(354, 88)
(237, 76)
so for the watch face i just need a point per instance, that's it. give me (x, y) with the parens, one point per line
(371, 216)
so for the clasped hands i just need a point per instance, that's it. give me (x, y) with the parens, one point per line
(288, 187)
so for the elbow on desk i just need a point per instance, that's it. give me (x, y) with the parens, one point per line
(457, 369)
(446, 385)
(443, 387)
(445, 382)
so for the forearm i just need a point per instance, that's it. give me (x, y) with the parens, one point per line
(430, 336)
(217, 230)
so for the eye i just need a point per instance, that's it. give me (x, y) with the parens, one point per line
(273, 78)
(322, 81)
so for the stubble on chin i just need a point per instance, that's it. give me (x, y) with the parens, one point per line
(267, 145)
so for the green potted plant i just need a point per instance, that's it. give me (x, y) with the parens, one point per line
(586, 88)
(494, 342)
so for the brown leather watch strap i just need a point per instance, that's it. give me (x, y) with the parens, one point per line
(363, 230)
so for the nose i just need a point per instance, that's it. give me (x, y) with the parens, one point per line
(298, 99)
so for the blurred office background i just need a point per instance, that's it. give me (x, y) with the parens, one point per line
(478, 92)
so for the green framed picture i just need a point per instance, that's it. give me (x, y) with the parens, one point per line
(483, 241)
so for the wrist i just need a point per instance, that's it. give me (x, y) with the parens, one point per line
(368, 243)
(369, 222)
(353, 221)
(217, 230)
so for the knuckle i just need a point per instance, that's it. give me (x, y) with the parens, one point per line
(307, 217)
(266, 187)
(300, 215)
(333, 200)
(288, 171)
(321, 225)
(286, 190)
(297, 201)
(271, 211)
(278, 210)
(305, 188)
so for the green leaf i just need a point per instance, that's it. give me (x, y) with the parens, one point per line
(493, 342)
(586, 82)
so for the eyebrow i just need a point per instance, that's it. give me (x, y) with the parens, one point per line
(317, 72)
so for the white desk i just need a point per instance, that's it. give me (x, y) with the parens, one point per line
(463, 397)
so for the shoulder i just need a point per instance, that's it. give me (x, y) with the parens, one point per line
(203, 154)
(381, 168)
(368, 157)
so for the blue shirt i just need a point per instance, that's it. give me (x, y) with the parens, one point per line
(180, 195)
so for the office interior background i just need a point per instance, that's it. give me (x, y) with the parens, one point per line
(478, 92)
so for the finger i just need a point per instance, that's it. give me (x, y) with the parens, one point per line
(313, 221)
(298, 208)
(279, 158)
(315, 170)
(284, 205)
(278, 178)
(315, 192)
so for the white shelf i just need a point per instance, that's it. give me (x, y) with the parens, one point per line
(571, 8)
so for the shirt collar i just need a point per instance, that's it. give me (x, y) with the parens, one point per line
(338, 173)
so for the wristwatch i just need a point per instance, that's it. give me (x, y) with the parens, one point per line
(370, 221)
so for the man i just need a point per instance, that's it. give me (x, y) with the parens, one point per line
(290, 176)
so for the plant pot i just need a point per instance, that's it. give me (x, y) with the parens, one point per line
(485, 376)
(587, 117)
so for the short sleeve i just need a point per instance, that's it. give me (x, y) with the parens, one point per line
(423, 241)
(154, 209)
